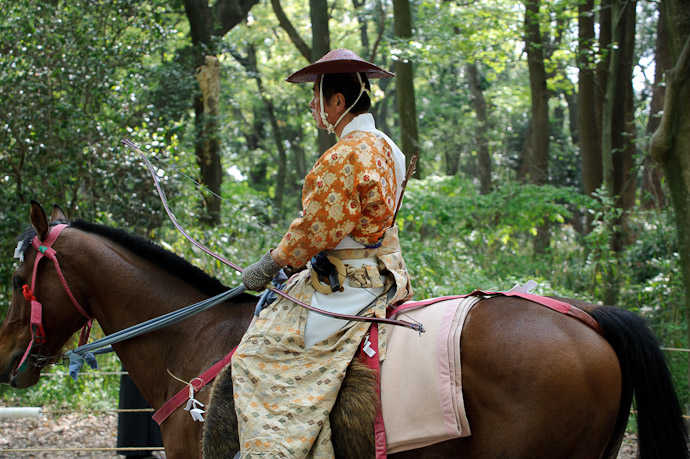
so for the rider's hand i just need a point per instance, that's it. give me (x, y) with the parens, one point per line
(257, 275)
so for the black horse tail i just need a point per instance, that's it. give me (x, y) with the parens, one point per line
(661, 429)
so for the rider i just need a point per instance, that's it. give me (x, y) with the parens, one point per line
(289, 366)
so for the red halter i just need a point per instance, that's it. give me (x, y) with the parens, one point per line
(38, 333)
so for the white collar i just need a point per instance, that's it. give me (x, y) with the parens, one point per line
(364, 122)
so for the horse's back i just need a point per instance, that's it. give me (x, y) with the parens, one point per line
(536, 383)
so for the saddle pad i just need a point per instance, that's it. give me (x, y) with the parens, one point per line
(421, 385)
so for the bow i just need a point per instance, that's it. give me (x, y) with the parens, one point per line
(161, 194)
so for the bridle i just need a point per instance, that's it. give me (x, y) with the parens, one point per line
(38, 334)
(161, 194)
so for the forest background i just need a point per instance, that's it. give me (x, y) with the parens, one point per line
(534, 121)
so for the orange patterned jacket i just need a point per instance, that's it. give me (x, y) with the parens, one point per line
(350, 191)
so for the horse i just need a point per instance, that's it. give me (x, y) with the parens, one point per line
(537, 384)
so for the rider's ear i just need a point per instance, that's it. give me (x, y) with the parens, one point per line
(340, 102)
(58, 214)
(39, 220)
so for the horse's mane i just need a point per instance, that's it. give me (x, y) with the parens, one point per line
(148, 250)
(156, 254)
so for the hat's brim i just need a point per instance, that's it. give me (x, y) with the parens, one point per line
(311, 72)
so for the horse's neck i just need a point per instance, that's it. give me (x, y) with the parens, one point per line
(126, 290)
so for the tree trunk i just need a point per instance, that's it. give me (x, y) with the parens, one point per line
(207, 145)
(537, 167)
(205, 23)
(295, 37)
(525, 154)
(404, 86)
(362, 20)
(653, 195)
(607, 117)
(602, 72)
(320, 45)
(617, 128)
(573, 114)
(451, 161)
(671, 141)
(588, 127)
(623, 126)
(479, 103)
(617, 41)
(380, 109)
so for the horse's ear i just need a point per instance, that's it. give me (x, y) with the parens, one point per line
(39, 220)
(58, 214)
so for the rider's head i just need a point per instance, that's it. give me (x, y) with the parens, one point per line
(341, 86)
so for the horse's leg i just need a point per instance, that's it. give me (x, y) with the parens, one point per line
(537, 384)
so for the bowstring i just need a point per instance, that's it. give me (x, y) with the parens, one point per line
(206, 189)
(266, 227)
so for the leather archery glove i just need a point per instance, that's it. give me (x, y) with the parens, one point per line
(257, 275)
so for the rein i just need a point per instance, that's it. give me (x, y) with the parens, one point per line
(38, 334)
(78, 355)
(161, 194)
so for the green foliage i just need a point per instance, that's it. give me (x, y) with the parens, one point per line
(456, 241)
(488, 35)
(652, 285)
(491, 233)
(445, 221)
(72, 78)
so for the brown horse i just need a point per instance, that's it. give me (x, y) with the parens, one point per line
(537, 384)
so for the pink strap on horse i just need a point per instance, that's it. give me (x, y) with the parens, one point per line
(373, 362)
(45, 249)
(551, 303)
(183, 395)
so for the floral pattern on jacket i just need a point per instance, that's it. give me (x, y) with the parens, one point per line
(350, 191)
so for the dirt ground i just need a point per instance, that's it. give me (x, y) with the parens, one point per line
(72, 432)
(62, 435)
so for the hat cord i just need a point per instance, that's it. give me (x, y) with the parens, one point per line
(324, 115)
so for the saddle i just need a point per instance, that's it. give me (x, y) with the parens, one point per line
(434, 408)
(426, 370)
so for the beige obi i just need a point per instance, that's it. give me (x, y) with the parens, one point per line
(368, 274)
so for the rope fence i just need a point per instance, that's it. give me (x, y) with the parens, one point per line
(39, 412)
(115, 410)
(674, 349)
(85, 450)
(90, 373)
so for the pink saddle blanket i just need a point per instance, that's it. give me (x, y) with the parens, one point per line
(421, 381)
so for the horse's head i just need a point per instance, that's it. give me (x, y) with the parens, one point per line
(56, 314)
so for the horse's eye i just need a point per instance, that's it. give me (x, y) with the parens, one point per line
(18, 283)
